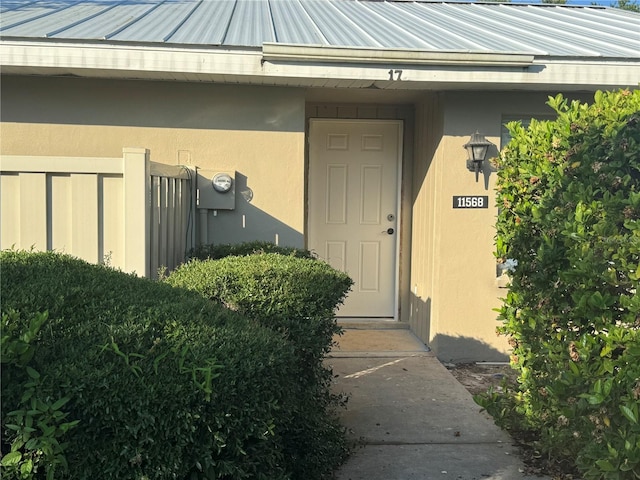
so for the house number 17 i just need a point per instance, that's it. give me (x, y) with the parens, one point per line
(395, 74)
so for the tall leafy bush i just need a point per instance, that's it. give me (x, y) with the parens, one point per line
(162, 383)
(296, 297)
(569, 197)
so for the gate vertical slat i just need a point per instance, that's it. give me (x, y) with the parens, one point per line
(155, 226)
(177, 221)
(171, 211)
(162, 254)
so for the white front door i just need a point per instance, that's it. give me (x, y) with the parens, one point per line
(353, 207)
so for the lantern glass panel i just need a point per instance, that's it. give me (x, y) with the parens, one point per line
(479, 152)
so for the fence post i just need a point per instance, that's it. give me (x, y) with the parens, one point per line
(137, 207)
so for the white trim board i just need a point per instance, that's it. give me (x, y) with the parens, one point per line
(251, 67)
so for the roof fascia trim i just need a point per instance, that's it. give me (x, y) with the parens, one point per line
(124, 57)
(319, 54)
(233, 66)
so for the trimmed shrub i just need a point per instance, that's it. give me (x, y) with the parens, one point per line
(569, 192)
(215, 252)
(163, 383)
(296, 297)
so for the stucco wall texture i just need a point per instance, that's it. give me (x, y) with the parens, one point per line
(258, 133)
(454, 287)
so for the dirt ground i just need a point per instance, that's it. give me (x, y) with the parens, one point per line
(479, 377)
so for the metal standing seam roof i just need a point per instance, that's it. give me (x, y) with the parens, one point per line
(545, 30)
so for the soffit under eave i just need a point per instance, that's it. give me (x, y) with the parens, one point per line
(573, 79)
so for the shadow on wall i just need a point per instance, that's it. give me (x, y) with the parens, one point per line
(175, 105)
(487, 167)
(465, 350)
(448, 348)
(420, 317)
(248, 223)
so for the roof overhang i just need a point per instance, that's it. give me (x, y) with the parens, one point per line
(309, 54)
(310, 66)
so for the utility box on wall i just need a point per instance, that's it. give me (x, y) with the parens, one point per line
(216, 190)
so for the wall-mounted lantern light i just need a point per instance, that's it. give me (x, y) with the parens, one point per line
(477, 148)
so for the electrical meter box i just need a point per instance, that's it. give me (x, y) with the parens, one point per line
(216, 190)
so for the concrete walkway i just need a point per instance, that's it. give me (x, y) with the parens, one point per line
(411, 416)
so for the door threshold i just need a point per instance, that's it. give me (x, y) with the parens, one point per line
(371, 323)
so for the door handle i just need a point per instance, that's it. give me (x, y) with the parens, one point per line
(389, 231)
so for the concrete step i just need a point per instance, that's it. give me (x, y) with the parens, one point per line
(372, 324)
(363, 343)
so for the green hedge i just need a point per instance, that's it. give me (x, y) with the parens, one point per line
(569, 192)
(296, 297)
(218, 251)
(32, 448)
(163, 383)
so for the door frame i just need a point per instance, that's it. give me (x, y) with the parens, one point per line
(399, 183)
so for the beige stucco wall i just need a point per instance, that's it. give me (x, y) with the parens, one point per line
(425, 254)
(453, 280)
(258, 132)
(448, 275)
